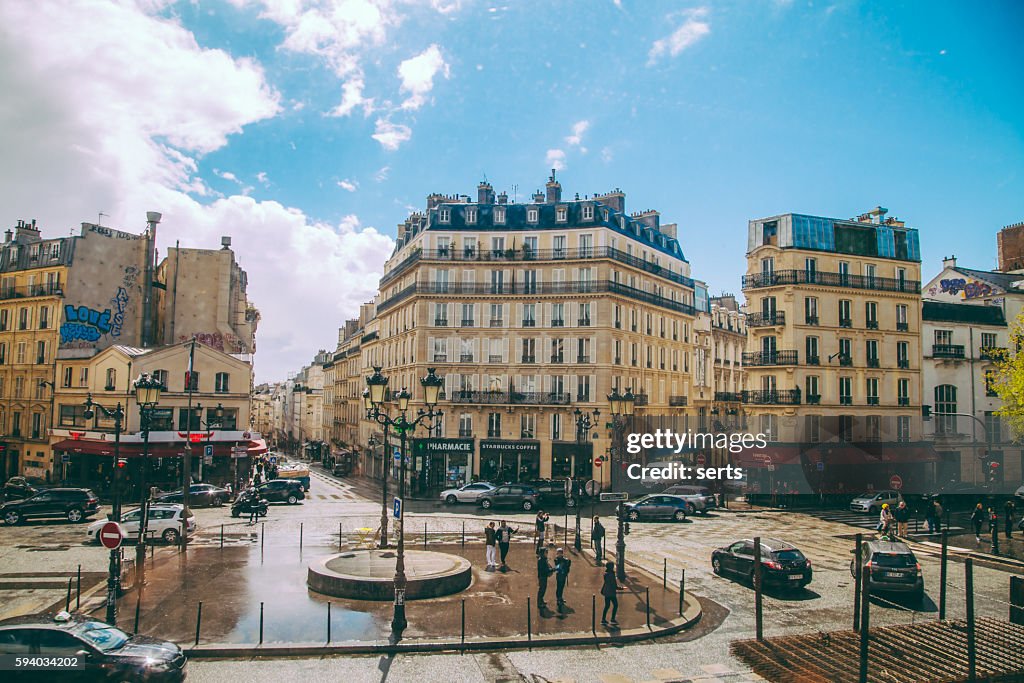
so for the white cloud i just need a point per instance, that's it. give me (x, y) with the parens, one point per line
(417, 75)
(693, 28)
(352, 97)
(555, 159)
(227, 175)
(576, 138)
(348, 185)
(262, 177)
(391, 135)
(157, 101)
(382, 175)
(607, 154)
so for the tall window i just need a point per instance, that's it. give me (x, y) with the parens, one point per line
(813, 427)
(812, 351)
(993, 427)
(41, 353)
(23, 318)
(67, 376)
(871, 349)
(499, 215)
(902, 323)
(440, 315)
(845, 352)
(873, 428)
(811, 310)
(903, 428)
(83, 377)
(945, 404)
(813, 394)
(845, 391)
(871, 315)
(988, 340)
(583, 388)
(529, 350)
(556, 426)
(494, 425)
(497, 312)
(558, 246)
(465, 425)
(584, 319)
(845, 313)
(37, 425)
(3, 320)
(903, 391)
(557, 348)
(44, 317)
(527, 426)
(221, 382)
(558, 315)
(467, 315)
(871, 387)
(159, 376)
(903, 354)
(111, 379)
(529, 315)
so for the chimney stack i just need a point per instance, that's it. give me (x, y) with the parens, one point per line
(484, 193)
(503, 197)
(949, 262)
(554, 189)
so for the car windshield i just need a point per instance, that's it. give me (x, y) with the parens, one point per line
(101, 636)
(867, 494)
(894, 559)
(793, 555)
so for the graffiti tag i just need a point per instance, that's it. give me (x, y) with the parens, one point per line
(84, 323)
(120, 300)
(971, 289)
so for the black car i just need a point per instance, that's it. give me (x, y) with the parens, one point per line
(102, 651)
(891, 567)
(18, 488)
(552, 492)
(282, 491)
(657, 506)
(74, 504)
(782, 563)
(200, 495)
(509, 495)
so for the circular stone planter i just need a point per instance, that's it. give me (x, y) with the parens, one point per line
(370, 574)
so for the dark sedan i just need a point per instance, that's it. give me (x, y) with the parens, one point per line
(282, 491)
(200, 495)
(657, 506)
(100, 651)
(782, 564)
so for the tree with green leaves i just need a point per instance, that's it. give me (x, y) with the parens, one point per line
(1007, 378)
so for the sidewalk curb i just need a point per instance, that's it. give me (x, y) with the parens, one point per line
(956, 552)
(691, 615)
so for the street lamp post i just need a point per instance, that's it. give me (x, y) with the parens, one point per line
(368, 405)
(584, 423)
(114, 574)
(195, 413)
(147, 395)
(622, 412)
(377, 385)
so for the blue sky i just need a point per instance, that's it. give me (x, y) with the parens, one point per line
(711, 113)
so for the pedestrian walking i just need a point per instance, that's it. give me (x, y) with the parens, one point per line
(254, 505)
(929, 517)
(257, 480)
(562, 566)
(1008, 511)
(544, 570)
(978, 520)
(902, 516)
(597, 538)
(993, 528)
(504, 539)
(609, 590)
(541, 522)
(937, 511)
(490, 537)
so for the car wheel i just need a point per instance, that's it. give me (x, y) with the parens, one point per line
(451, 499)
(690, 508)
(570, 503)
(170, 536)
(679, 516)
(634, 516)
(873, 510)
(235, 513)
(716, 565)
(853, 568)
(218, 501)
(75, 515)
(527, 505)
(292, 500)
(485, 504)
(12, 517)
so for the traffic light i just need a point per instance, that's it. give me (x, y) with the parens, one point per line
(993, 472)
(121, 463)
(926, 413)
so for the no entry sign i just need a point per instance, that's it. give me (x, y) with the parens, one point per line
(701, 460)
(895, 482)
(111, 535)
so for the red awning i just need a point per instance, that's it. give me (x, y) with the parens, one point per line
(257, 446)
(134, 449)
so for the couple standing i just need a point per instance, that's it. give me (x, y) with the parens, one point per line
(502, 537)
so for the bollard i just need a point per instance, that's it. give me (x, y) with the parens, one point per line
(865, 624)
(972, 649)
(222, 536)
(339, 537)
(648, 600)
(199, 620)
(300, 536)
(67, 599)
(424, 535)
(138, 608)
(682, 589)
(463, 534)
(263, 533)
(261, 623)
(664, 573)
(1017, 600)
(463, 621)
(942, 574)
(328, 623)
(593, 614)
(758, 597)
(565, 535)
(78, 589)
(529, 621)
(857, 569)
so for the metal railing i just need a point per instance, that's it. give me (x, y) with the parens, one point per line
(511, 397)
(25, 291)
(766, 319)
(803, 277)
(729, 396)
(947, 351)
(677, 401)
(770, 358)
(772, 396)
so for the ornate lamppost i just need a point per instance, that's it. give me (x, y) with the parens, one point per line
(622, 415)
(377, 384)
(147, 395)
(368, 405)
(114, 574)
(584, 423)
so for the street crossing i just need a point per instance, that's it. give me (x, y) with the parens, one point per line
(863, 520)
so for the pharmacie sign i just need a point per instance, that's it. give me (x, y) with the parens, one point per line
(441, 446)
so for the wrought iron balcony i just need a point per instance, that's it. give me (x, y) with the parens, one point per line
(550, 398)
(955, 351)
(495, 358)
(678, 401)
(811, 320)
(902, 327)
(873, 363)
(813, 399)
(497, 322)
(772, 397)
(770, 358)
(903, 363)
(813, 360)
(440, 357)
(803, 277)
(440, 322)
(872, 400)
(871, 324)
(468, 322)
(766, 319)
(529, 359)
(728, 396)
(466, 358)
(903, 401)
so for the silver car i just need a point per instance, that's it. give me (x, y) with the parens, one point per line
(467, 493)
(699, 498)
(872, 501)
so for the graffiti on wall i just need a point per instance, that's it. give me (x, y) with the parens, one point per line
(227, 343)
(964, 288)
(84, 324)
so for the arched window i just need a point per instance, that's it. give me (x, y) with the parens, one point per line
(945, 405)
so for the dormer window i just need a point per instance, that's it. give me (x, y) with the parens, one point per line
(531, 215)
(561, 214)
(499, 215)
(444, 215)
(588, 212)
(470, 215)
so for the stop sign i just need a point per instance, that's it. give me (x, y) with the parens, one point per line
(895, 482)
(111, 535)
(597, 461)
(701, 460)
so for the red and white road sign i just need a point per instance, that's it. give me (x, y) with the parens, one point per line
(701, 460)
(895, 482)
(111, 535)
(597, 461)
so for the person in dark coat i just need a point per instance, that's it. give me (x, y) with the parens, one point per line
(504, 539)
(902, 516)
(609, 590)
(1008, 511)
(562, 566)
(597, 537)
(544, 570)
(978, 520)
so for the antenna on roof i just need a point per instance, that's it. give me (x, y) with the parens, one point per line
(515, 193)
(99, 219)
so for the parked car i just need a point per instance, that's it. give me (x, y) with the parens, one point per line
(200, 495)
(509, 495)
(282, 491)
(164, 521)
(466, 494)
(18, 488)
(657, 506)
(782, 563)
(552, 492)
(106, 652)
(892, 568)
(872, 501)
(1019, 493)
(73, 504)
(700, 498)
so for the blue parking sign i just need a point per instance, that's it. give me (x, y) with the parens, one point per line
(398, 508)
(398, 454)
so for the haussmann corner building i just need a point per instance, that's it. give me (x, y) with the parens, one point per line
(833, 357)
(531, 310)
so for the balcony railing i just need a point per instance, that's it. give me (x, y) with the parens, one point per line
(640, 399)
(846, 400)
(947, 351)
(813, 360)
(440, 322)
(770, 358)
(465, 433)
(468, 322)
(902, 327)
(54, 289)
(529, 323)
(495, 358)
(903, 401)
(813, 399)
(440, 357)
(766, 319)
(903, 364)
(811, 320)
(557, 359)
(772, 397)
(529, 359)
(466, 358)
(677, 401)
(871, 324)
(872, 400)
(549, 398)
(583, 322)
(558, 323)
(803, 277)
(846, 322)
(873, 363)
(582, 359)
(729, 396)
(497, 322)
(845, 361)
